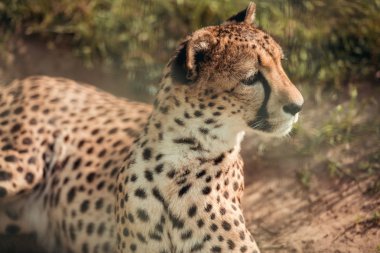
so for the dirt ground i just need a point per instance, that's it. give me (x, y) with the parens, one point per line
(292, 201)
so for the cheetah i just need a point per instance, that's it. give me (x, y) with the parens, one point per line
(89, 172)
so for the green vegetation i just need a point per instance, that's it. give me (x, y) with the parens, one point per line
(304, 177)
(325, 41)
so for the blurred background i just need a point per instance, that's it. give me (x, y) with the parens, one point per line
(317, 191)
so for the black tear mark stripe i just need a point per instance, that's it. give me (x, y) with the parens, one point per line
(263, 111)
(260, 122)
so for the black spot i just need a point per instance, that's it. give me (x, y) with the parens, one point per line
(126, 232)
(197, 247)
(201, 173)
(107, 164)
(159, 168)
(140, 193)
(142, 215)
(4, 113)
(27, 141)
(84, 206)
(184, 190)
(95, 131)
(226, 225)
(216, 249)
(99, 204)
(171, 173)
(133, 177)
(113, 130)
(147, 154)
(179, 122)
(141, 238)
(219, 159)
(10, 158)
(90, 228)
(4, 175)
(210, 121)
(90, 177)
(185, 140)
(71, 194)
(155, 236)
(102, 153)
(243, 249)
(198, 113)
(35, 96)
(203, 130)
(131, 218)
(101, 229)
(100, 185)
(15, 128)
(29, 177)
(159, 156)
(32, 160)
(148, 175)
(7, 147)
(186, 235)
(231, 244)
(206, 190)
(200, 223)
(131, 132)
(208, 208)
(214, 227)
(192, 211)
(77, 163)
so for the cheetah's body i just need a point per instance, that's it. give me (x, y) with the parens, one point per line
(66, 142)
(70, 172)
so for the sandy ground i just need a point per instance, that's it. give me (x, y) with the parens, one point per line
(327, 214)
(331, 215)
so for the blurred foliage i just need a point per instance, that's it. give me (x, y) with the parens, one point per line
(304, 176)
(325, 41)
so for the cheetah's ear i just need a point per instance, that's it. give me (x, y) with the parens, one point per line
(193, 52)
(246, 16)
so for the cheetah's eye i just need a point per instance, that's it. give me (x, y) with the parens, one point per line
(251, 80)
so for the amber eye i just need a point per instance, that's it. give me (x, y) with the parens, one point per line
(253, 79)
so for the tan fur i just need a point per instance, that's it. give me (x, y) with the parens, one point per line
(89, 172)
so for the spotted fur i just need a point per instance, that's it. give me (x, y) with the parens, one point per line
(89, 172)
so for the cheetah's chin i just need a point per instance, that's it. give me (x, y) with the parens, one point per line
(278, 129)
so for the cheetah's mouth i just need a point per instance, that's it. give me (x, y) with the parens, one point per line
(273, 127)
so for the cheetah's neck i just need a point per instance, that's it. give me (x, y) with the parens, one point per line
(187, 129)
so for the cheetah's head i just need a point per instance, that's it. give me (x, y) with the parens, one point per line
(241, 63)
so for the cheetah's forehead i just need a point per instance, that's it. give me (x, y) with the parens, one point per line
(245, 36)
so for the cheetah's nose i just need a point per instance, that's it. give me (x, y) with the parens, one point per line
(292, 108)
